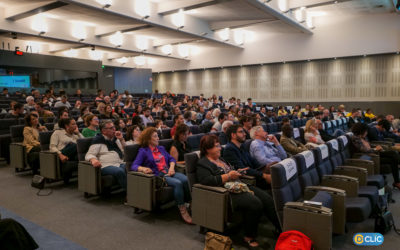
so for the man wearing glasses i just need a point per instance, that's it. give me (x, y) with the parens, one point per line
(236, 155)
(107, 153)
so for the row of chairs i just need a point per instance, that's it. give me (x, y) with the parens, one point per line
(316, 175)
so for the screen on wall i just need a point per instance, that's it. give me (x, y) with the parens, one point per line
(15, 81)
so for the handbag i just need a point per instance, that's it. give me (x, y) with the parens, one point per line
(38, 181)
(384, 223)
(160, 182)
(217, 242)
(237, 187)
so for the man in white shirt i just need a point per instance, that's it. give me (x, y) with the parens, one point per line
(107, 153)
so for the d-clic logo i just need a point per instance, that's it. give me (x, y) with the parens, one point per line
(368, 239)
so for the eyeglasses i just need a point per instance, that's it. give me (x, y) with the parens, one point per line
(110, 127)
(218, 146)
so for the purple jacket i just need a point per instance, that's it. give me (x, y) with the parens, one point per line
(145, 159)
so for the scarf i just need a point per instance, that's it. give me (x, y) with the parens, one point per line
(111, 144)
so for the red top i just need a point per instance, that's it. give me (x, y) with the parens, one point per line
(173, 129)
(159, 159)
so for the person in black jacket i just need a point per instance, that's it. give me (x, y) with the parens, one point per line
(211, 170)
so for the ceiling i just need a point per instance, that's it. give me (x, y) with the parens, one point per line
(204, 20)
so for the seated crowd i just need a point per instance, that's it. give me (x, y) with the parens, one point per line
(117, 120)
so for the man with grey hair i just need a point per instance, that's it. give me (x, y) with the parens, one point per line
(265, 148)
(223, 139)
(107, 152)
(325, 115)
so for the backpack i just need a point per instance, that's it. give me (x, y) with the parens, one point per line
(293, 240)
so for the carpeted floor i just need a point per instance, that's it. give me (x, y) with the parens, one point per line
(105, 223)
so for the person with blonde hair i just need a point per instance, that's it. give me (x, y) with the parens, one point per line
(154, 159)
(311, 133)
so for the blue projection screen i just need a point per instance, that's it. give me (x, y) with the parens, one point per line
(15, 81)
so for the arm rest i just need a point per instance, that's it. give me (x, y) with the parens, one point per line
(181, 168)
(330, 190)
(306, 207)
(338, 205)
(356, 172)
(349, 184)
(89, 178)
(250, 180)
(50, 165)
(247, 177)
(211, 188)
(141, 174)
(382, 142)
(368, 165)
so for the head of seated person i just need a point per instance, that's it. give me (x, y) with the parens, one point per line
(133, 134)
(180, 146)
(120, 125)
(287, 131)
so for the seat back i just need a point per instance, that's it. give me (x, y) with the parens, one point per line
(166, 133)
(297, 123)
(194, 129)
(44, 138)
(344, 147)
(322, 161)
(166, 143)
(308, 174)
(83, 145)
(247, 144)
(296, 134)
(339, 123)
(334, 153)
(285, 184)
(278, 135)
(334, 125)
(328, 127)
(194, 141)
(273, 128)
(130, 153)
(190, 165)
(151, 124)
(301, 139)
(344, 123)
(17, 133)
(49, 126)
(169, 123)
(5, 125)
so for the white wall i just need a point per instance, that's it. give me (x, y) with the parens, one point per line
(339, 37)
